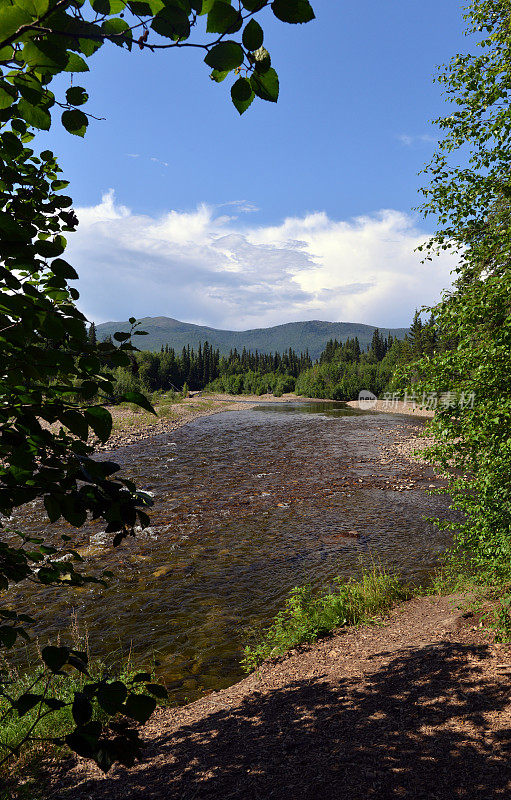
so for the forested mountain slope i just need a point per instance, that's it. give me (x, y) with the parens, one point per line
(312, 335)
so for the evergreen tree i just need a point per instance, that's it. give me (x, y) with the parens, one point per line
(377, 345)
(92, 335)
(415, 335)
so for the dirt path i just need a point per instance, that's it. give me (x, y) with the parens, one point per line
(416, 708)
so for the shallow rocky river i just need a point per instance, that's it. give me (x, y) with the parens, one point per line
(248, 504)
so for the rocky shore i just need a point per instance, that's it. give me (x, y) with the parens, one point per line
(132, 425)
(395, 407)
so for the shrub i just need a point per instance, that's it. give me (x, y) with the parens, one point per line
(308, 615)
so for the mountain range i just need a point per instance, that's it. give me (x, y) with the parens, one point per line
(300, 336)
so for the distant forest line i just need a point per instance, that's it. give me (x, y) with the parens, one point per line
(342, 370)
(311, 335)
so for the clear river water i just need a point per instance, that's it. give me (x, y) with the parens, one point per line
(248, 504)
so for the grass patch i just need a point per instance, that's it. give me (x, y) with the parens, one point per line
(308, 615)
(206, 403)
(22, 770)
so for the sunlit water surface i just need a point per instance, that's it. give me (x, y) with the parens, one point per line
(248, 504)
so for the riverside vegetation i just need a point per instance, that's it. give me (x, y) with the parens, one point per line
(47, 358)
(50, 371)
(307, 615)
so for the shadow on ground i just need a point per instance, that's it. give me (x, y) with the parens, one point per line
(417, 727)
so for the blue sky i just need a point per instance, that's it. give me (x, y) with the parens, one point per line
(297, 210)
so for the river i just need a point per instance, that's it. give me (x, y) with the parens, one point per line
(248, 504)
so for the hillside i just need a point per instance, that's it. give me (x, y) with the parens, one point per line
(300, 336)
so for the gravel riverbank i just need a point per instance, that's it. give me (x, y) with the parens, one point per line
(395, 407)
(417, 707)
(132, 425)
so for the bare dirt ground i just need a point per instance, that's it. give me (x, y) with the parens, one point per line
(418, 707)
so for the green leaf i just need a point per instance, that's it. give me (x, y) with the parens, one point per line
(218, 76)
(293, 11)
(6, 53)
(34, 92)
(78, 660)
(241, 90)
(253, 35)
(36, 8)
(7, 636)
(48, 248)
(75, 63)
(73, 511)
(115, 27)
(75, 122)
(242, 105)
(76, 423)
(100, 421)
(10, 143)
(223, 18)
(81, 709)
(266, 86)
(12, 230)
(172, 22)
(26, 702)
(84, 740)
(61, 268)
(44, 56)
(8, 94)
(111, 696)
(140, 707)
(139, 400)
(145, 9)
(52, 507)
(225, 56)
(46, 550)
(89, 46)
(34, 115)
(262, 60)
(109, 6)
(76, 96)
(101, 6)
(55, 657)
(141, 676)
(54, 703)
(157, 690)
(253, 5)
(13, 17)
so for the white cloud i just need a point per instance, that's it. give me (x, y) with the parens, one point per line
(423, 138)
(159, 161)
(210, 268)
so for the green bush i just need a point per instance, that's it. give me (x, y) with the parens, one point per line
(308, 615)
(43, 725)
(124, 381)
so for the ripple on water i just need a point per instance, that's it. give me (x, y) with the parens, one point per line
(248, 504)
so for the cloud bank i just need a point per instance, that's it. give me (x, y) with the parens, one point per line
(212, 267)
